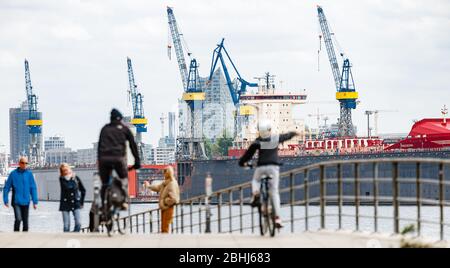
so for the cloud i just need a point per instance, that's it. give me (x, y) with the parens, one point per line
(70, 32)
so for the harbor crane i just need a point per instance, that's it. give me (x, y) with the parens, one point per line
(138, 120)
(345, 87)
(34, 121)
(190, 145)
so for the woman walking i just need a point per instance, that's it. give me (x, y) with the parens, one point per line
(72, 197)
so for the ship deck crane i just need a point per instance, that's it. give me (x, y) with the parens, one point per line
(34, 122)
(191, 146)
(138, 120)
(345, 87)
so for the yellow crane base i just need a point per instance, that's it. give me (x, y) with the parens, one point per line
(139, 121)
(246, 110)
(33, 123)
(194, 96)
(346, 95)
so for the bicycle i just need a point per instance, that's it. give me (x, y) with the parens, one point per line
(266, 206)
(109, 213)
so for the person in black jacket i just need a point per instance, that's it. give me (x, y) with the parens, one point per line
(268, 163)
(112, 152)
(72, 197)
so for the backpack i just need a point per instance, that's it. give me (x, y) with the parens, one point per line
(117, 195)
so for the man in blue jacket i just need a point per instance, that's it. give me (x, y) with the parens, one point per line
(24, 188)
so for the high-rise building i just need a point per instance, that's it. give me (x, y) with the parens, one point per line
(164, 155)
(54, 142)
(18, 132)
(218, 108)
(172, 125)
(149, 154)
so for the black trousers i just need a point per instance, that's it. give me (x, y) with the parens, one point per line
(21, 215)
(106, 166)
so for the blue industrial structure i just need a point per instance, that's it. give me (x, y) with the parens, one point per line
(34, 121)
(139, 120)
(235, 90)
(190, 146)
(346, 94)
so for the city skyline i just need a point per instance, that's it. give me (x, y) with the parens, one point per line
(77, 53)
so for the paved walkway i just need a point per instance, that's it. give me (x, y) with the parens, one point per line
(321, 239)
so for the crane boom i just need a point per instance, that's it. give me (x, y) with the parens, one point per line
(176, 38)
(235, 92)
(330, 48)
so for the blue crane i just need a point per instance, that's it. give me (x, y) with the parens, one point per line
(34, 122)
(235, 91)
(190, 143)
(345, 87)
(139, 120)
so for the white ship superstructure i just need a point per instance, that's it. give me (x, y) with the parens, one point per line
(271, 104)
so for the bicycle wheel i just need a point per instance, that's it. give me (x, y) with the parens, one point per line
(270, 216)
(262, 208)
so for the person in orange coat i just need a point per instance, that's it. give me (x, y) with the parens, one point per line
(169, 196)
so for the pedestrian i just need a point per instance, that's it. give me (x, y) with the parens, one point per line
(23, 185)
(72, 197)
(169, 196)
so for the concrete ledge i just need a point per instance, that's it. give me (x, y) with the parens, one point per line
(319, 239)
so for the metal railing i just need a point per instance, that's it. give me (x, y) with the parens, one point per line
(309, 193)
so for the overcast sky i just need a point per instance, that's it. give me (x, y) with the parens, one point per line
(77, 49)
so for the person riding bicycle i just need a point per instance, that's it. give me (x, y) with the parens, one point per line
(268, 164)
(112, 153)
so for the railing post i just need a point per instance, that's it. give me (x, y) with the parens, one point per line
(292, 198)
(158, 216)
(208, 190)
(182, 218)
(375, 196)
(395, 198)
(253, 219)
(418, 199)
(219, 212)
(305, 181)
(131, 224)
(322, 197)
(230, 199)
(176, 219)
(441, 199)
(339, 175)
(200, 215)
(151, 221)
(137, 223)
(357, 190)
(143, 222)
(191, 216)
(241, 197)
